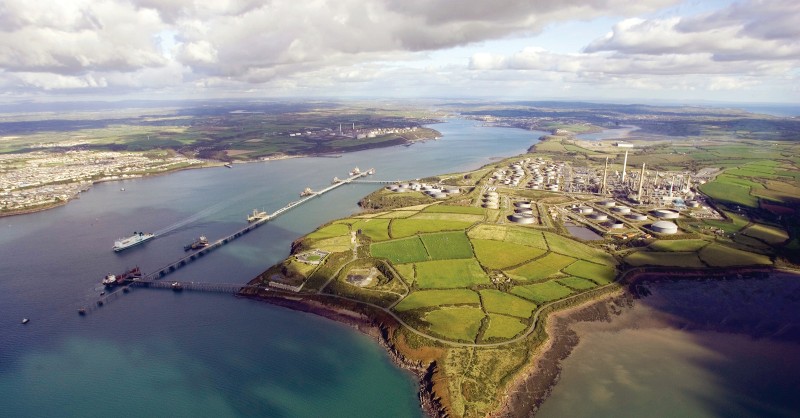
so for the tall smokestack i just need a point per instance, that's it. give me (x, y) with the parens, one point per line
(354, 126)
(624, 165)
(605, 176)
(641, 183)
(671, 184)
(340, 129)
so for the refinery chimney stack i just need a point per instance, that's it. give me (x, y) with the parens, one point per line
(641, 183)
(605, 177)
(624, 165)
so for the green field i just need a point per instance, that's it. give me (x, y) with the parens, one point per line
(442, 216)
(400, 251)
(468, 210)
(597, 273)
(563, 245)
(408, 227)
(681, 245)
(334, 244)
(667, 259)
(720, 256)
(405, 270)
(450, 273)
(733, 223)
(397, 214)
(768, 234)
(333, 230)
(512, 234)
(447, 245)
(376, 229)
(577, 283)
(541, 268)
(495, 301)
(725, 190)
(542, 292)
(500, 254)
(501, 326)
(460, 323)
(429, 298)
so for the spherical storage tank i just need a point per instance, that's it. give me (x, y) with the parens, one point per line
(664, 227)
(665, 214)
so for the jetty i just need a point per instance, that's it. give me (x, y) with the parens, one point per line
(256, 220)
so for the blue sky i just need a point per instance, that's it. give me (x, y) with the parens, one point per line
(661, 50)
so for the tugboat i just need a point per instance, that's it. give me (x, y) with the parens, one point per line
(201, 242)
(112, 280)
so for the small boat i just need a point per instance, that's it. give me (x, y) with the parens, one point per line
(122, 189)
(229, 165)
(25, 321)
(82, 311)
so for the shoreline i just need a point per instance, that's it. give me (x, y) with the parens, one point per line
(209, 164)
(535, 381)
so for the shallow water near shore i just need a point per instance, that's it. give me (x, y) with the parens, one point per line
(691, 349)
(160, 353)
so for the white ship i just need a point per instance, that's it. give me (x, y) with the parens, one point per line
(135, 239)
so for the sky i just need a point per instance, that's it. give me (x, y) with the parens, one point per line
(615, 50)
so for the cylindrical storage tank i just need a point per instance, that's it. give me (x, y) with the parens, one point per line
(392, 188)
(491, 205)
(452, 190)
(585, 210)
(622, 210)
(440, 195)
(664, 227)
(599, 216)
(637, 217)
(692, 203)
(490, 200)
(607, 203)
(524, 211)
(524, 219)
(525, 205)
(665, 214)
(614, 225)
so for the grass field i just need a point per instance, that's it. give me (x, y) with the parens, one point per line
(542, 292)
(405, 270)
(515, 235)
(501, 326)
(541, 268)
(429, 298)
(725, 190)
(499, 254)
(334, 244)
(398, 214)
(720, 256)
(333, 230)
(682, 245)
(577, 283)
(400, 251)
(447, 245)
(442, 216)
(449, 274)
(733, 223)
(376, 229)
(667, 259)
(408, 227)
(460, 323)
(468, 210)
(597, 273)
(575, 249)
(495, 301)
(768, 234)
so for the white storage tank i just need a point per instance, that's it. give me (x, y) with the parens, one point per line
(665, 214)
(614, 225)
(622, 210)
(585, 210)
(664, 227)
(524, 205)
(637, 217)
(524, 219)
(607, 203)
(599, 216)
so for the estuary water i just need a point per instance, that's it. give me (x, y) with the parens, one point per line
(159, 353)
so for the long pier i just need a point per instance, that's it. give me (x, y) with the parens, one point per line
(195, 286)
(171, 267)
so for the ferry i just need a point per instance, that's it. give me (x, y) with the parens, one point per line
(135, 239)
(112, 280)
(256, 215)
(201, 242)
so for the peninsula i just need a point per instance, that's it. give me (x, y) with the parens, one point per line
(456, 275)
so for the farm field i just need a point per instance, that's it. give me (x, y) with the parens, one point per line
(503, 327)
(430, 298)
(495, 301)
(500, 254)
(450, 274)
(684, 245)
(400, 251)
(447, 245)
(577, 283)
(407, 227)
(460, 324)
(542, 292)
(541, 268)
(597, 273)
(720, 256)
(666, 259)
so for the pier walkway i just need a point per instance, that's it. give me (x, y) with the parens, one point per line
(171, 267)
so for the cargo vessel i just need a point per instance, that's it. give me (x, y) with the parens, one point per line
(112, 280)
(135, 239)
(201, 242)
